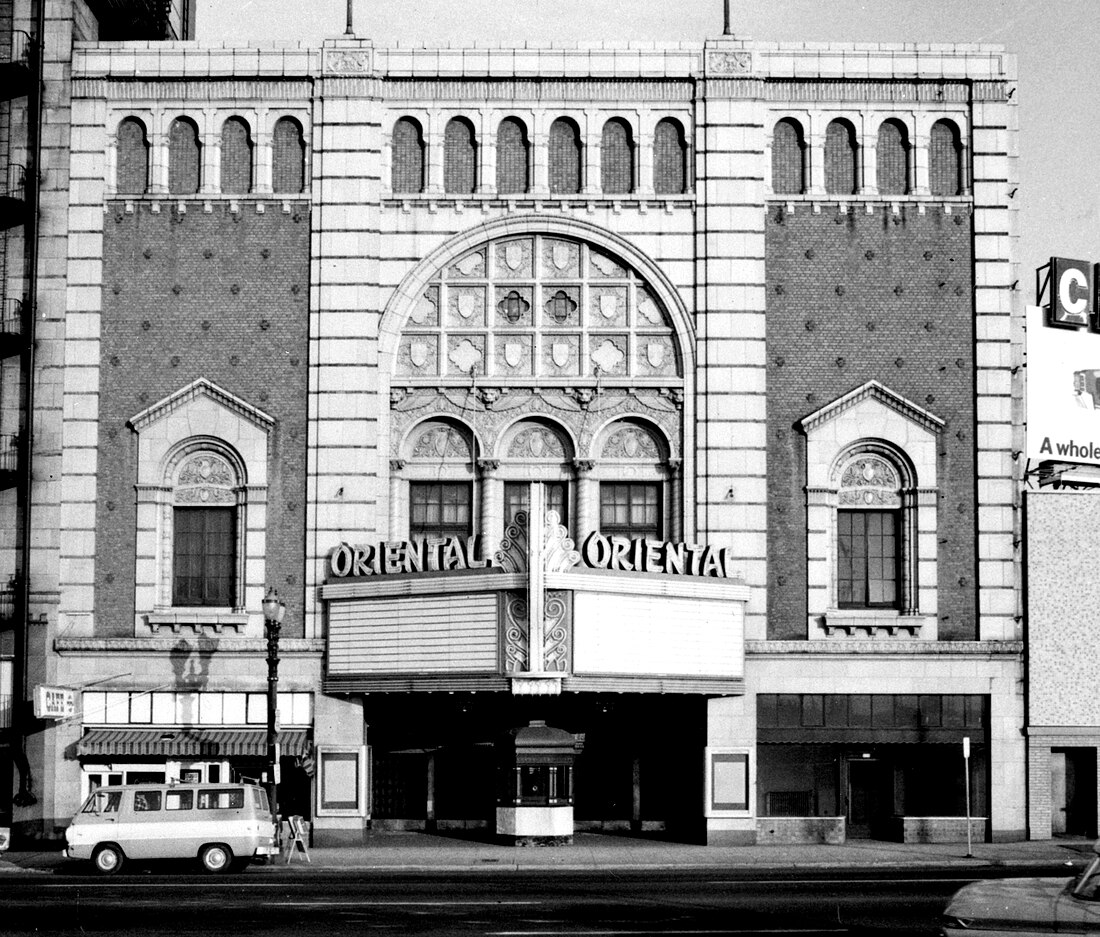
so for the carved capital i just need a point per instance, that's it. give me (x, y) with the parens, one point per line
(397, 465)
(674, 466)
(583, 466)
(488, 466)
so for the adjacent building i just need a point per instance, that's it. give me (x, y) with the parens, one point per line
(667, 395)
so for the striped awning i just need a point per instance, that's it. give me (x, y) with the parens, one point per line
(188, 743)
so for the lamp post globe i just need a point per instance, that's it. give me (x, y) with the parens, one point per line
(273, 609)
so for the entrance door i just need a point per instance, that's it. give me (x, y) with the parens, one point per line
(1073, 791)
(870, 798)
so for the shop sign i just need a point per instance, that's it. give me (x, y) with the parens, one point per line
(54, 702)
(1073, 300)
(432, 554)
(655, 556)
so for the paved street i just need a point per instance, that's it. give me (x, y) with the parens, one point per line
(171, 899)
(420, 883)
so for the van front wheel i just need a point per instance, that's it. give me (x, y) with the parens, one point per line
(216, 857)
(107, 859)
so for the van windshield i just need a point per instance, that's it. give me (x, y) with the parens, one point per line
(103, 802)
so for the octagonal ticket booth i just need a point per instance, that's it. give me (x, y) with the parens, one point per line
(535, 772)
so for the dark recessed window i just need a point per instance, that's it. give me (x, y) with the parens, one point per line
(133, 157)
(516, 499)
(184, 163)
(288, 156)
(439, 510)
(564, 155)
(867, 559)
(407, 157)
(669, 158)
(511, 157)
(945, 159)
(629, 509)
(204, 556)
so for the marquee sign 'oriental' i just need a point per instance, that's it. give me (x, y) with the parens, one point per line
(437, 554)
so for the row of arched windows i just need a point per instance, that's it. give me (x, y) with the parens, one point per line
(619, 168)
(238, 161)
(847, 173)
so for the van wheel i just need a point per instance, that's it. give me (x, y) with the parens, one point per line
(108, 859)
(216, 857)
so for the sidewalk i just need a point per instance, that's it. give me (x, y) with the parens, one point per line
(426, 852)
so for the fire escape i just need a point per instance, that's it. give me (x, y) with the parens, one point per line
(20, 110)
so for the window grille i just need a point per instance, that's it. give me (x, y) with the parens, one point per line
(616, 159)
(788, 158)
(236, 157)
(564, 157)
(459, 158)
(669, 159)
(133, 157)
(183, 157)
(892, 160)
(288, 157)
(511, 157)
(945, 159)
(407, 157)
(840, 158)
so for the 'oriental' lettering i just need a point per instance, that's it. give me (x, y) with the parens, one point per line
(655, 556)
(433, 554)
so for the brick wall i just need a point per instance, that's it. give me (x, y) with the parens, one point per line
(217, 295)
(851, 298)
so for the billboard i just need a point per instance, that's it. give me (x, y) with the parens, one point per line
(1063, 391)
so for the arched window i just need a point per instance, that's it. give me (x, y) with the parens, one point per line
(184, 161)
(616, 158)
(633, 500)
(511, 157)
(439, 466)
(132, 149)
(204, 531)
(840, 158)
(669, 158)
(236, 157)
(788, 158)
(459, 157)
(536, 450)
(407, 157)
(892, 160)
(872, 539)
(288, 156)
(945, 159)
(565, 157)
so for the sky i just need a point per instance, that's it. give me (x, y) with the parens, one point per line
(1057, 43)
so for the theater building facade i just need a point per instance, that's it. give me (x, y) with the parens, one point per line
(663, 396)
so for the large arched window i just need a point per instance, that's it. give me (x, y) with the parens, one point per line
(132, 153)
(565, 157)
(236, 162)
(459, 157)
(788, 158)
(892, 159)
(407, 157)
(945, 159)
(204, 530)
(184, 160)
(670, 172)
(288, 157)
(616, 158)
(511, 157)
(516, 337)
(840, 158)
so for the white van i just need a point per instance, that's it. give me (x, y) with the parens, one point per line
(220, 824)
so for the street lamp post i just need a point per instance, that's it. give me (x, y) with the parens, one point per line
(274, 609)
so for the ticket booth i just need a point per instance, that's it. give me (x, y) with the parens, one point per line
(535, 771)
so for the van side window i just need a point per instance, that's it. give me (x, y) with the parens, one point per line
(103, 802)
(259, 799)
(221, 800)
(146, 801)
(179, 800)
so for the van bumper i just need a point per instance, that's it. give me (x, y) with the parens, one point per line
(77, 852)
(267, 850)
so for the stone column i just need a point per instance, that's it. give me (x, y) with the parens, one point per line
(399, 509)
(676, 500)
(586, 517)
(492, 506)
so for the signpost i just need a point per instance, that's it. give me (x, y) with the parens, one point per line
(966, 775)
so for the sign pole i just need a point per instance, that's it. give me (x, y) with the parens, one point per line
(966, 776)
